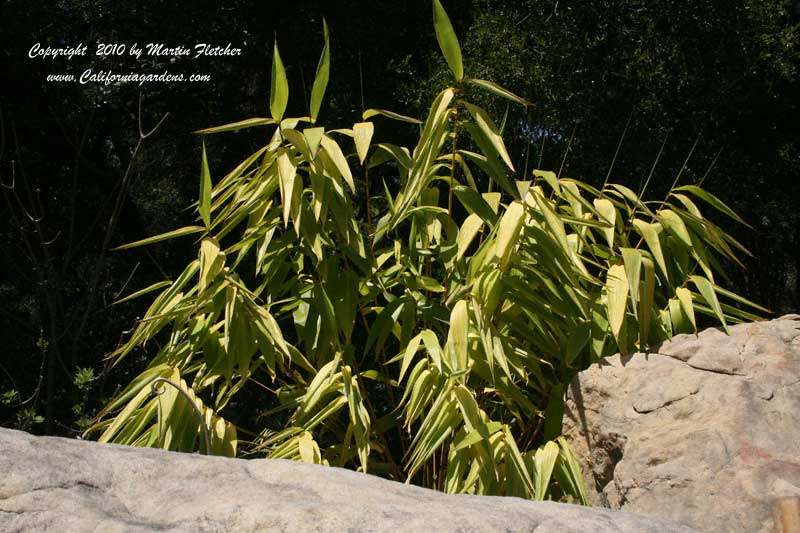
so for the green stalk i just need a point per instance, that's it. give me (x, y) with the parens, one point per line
(453, 164)
(366, 183)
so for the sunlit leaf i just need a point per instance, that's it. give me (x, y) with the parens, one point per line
(706, 290)
(188, 230)
(141, 292)
(712, 200)
(617, 287)
(313, 138)
(685, 299)
(457, 336)
(242, 124)
(362, 135)
(205, 190)
(650, 234)
(287, 172)
(608, 215)
(545, 459)
(321, 77)
(497, 90)
(369, 113)
(448, 42)
(337, 157)
(489, 129)
(279, 86)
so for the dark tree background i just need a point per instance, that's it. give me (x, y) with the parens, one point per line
(707, 86)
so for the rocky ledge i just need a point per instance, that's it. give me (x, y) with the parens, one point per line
(54, 484)
(705, 431)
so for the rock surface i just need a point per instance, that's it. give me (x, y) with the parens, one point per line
(54, 484)
(705, 432)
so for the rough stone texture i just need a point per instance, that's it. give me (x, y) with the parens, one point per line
(705, 432)
(53, 484)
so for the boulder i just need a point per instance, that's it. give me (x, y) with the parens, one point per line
(704, 431)
(54, 484)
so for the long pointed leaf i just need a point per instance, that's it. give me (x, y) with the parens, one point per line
(448, 42)
(321, 77)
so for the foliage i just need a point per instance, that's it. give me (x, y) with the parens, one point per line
(727, 71)
(433, 345)
(655, 86)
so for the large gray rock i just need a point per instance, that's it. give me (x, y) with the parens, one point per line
(705, 432)
(53, 484)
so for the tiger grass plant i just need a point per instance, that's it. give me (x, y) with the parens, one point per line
(416, 312)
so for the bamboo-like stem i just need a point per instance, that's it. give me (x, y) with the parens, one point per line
(566, 152)
(453, 164)
(366, 183)
(616, 153)
(643, 188)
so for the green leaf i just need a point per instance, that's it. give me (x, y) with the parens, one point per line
(685, 299)
(646, 299)
(241, 125)
(735, 297)
(568, 472)
(369, 113)
(279, 86)
(457, 336)
(320, 385)
(308, 449)
(550, 177)
(617, 287)
(432, 345)
(608, 215)
(706, 290)
(476, 204)
(679, 319)
(632, 259)
(398, 153)
(508, 230)
(337, 157)
(466, 234)
(650, 234)
(287, 172)
(545, 459)
(477, 434)
(205, 190)
(408, 356)
(125, 415)
(212, 260)
(321, 77)
(151, 288)
(712, 200)
(468, 406)
(489, 129)
(497, 90)
(382, 325)
(489, 164)
(517, 463)
(362, 135)
(359, 419)
(188, 230)
(433, 432)
(447, 40)
(675, 226)
(556, 226)
(313, 138)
